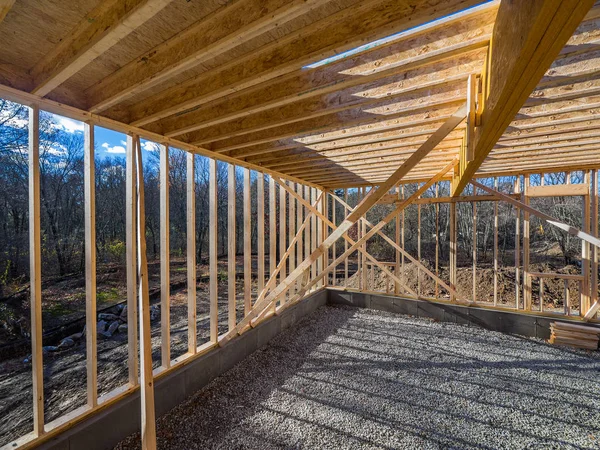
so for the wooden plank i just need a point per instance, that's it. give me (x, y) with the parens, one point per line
(272, 229)
(299, 220)
(191, 251)
(452, 261)
(313, 234)
(585, 247)
(552, 221)
(517, 191)
(5, 7)
(131, 261)
(496, 247)
(527, 38)
(90, 265)
(527, 293)
(320, 231)
(260, 225)
(231, 248)
(165, 260)
(195, 46)
(474, 252)
(333, 219)
(563, 276)
(35, 271)
(558, 190)
(98, 31)
(282, 239)
(346, 242)
(292, 233)
(594, 218)
(308, 232)
(437, 239)
(212, 250)
(148, 421)
(247, 244)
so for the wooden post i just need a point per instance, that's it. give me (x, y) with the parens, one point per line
(90, 265)
(272, 229)
(345, 242)
(231, 249)
(291, 234)
(247, 244)
(313, 232)
(282, 240)
(363, 262)
(148, 422)
(334, 278)
(324, 233)
(437, 239)
(452, 249)
(567, 302)
(320, 230)
(35, 271)
(165, 254)
(527, 300)
(307, 231)
(496, 247)
(474, 249)
(418, 247)
(594, 217)
(191, 251)
(299, 220)
(397, 253)
(517, 190)
(260, 224)
(585, 249)
(131, 263)
(212, 251)
(402, 235)
(541, 294)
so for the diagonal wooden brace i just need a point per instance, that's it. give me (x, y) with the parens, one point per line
(551, 220)
(273, 279)
(369, 201)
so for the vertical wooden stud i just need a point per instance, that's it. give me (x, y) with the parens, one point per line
(131, 263)
(35, 271)
(247, 244)
(212, 251)
(272, 230)
(474, 249)
(527, 297)
(345, 241)
(496, 246)
(291, 234)
(517, 190)
(452, 249)
(299, 220)
(191, 251)
(89, 175)
(260, 225)
(231, 249)
(148, 422)
(165, 275)
(282, 236)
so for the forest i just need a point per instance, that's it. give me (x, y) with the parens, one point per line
(61, 171)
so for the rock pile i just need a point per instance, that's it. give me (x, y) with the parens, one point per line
(109, 323)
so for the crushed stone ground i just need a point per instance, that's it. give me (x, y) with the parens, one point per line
(355, 378)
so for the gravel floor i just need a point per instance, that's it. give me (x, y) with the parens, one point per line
(356, 378)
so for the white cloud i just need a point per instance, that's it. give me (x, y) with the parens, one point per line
(115, 149)
(149, 146)
(68, 125)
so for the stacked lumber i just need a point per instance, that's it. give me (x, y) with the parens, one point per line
(580, 336)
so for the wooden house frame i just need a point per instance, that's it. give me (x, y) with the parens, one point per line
(463, 90)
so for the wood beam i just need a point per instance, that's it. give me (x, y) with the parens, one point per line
(459, 31)
(527, 38)
(5, 6)
(97, 32)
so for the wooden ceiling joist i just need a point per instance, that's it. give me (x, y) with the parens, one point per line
(101, 29)
(251, 81)
(527, 38)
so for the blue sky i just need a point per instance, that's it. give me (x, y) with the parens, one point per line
(109, 143)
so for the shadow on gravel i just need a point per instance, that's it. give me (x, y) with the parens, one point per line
(356, 378)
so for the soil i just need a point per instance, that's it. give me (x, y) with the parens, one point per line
(65, 371)
(425, 286)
